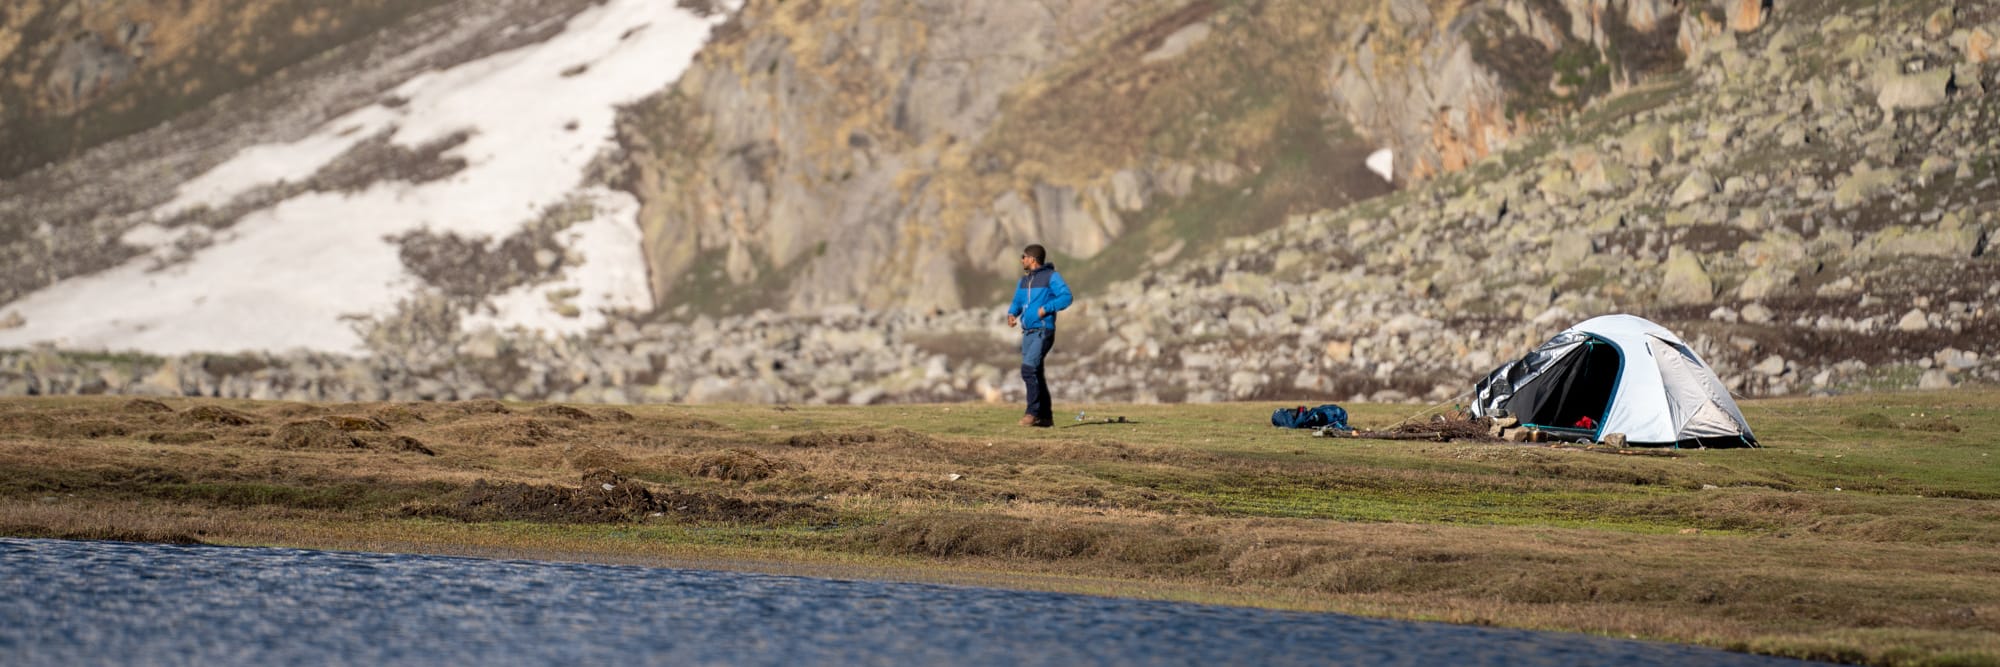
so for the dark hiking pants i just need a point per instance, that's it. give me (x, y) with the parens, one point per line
(1035, 346)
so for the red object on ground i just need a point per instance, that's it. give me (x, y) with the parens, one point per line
(1586, 422)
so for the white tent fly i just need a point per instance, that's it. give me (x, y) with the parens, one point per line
(1617, 374)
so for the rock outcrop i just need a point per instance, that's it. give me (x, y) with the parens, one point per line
(894, 153)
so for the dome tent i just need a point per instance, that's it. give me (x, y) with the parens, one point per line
(1617, 374)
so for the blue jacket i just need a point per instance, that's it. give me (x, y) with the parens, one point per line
(1042, 289)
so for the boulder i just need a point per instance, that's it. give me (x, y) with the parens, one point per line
(1941, 22)
(1697, 186)
(1685, 281)
(1864, 185)
(1771, 366)
(1604, 177)
(1756, 313)
(1978, 45)
(1921, 90)
(1935, 378)
(1914, 321)
(1648, 145)
(1747, 15)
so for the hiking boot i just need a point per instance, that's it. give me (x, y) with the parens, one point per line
(1027, 420)
(1042, 423)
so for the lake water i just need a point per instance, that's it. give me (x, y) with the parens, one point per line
(78, 603)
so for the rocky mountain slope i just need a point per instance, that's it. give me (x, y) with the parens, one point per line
(896, 153)
(1806, 191)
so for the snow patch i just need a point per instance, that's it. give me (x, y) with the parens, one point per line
(1383, 163)
(612, 276)
(285, 277)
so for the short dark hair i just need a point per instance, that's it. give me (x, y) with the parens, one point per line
(1035, 250)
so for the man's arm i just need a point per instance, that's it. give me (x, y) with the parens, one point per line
(1059, 297)
(1014, 309)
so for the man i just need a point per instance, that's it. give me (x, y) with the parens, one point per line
(1039, 296)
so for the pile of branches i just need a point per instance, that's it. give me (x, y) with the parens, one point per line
(1453, 426)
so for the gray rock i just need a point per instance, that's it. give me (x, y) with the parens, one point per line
(1914, 321)
(1862, 186)
(1922, 90)
(1935, 378)
(1756, 313)
(1697, 186)
(1684, 280)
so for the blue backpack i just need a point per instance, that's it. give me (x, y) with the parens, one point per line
(1325, 416)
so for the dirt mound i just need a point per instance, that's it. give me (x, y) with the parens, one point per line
(398, 414)
(894, 436)
(351, 424)
(563, 412)
(395, 443)
(1874, 420)
(505, 431)
(294, 410)
(607, 497)
(1932, 423)
(217, 415)
(145, 406)
(44, 426)
(592, 457)
(477, 406)
(1918, 422)
(685, 424)
(27, 423)
(615, 415)
(177, 437)
(314, 434)
(734, 465)
(90, 428)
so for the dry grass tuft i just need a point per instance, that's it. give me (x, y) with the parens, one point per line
(398, 415)
(217, 415)
(146, 406)
(177, 437)
(592, 457)
(683, 423)
(479, 406)
(351, 424)
(733, 465)
(563, 412)
(607, 497)
(504, 430)
(294, 411)
(395, 443)
(314, 434)
(893, 437)
(1933, 424)
(615, 415)
(1874, 420)
(955, 535)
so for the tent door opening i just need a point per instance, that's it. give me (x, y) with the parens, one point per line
(1580, 386)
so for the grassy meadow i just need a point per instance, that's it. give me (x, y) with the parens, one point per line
(1864, 531)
